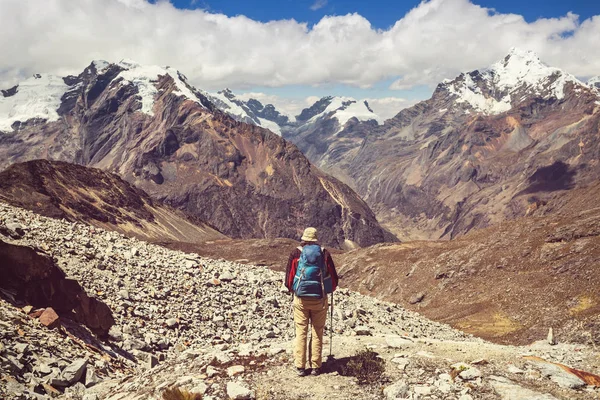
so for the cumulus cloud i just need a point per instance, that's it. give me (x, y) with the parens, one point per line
(435, 40)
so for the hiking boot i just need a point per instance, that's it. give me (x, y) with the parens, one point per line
(315, 371)
(301, 372)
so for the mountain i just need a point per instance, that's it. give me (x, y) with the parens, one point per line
(327, 113)
(151, 127)
(251, 111)
(481, 150)
(77, 193)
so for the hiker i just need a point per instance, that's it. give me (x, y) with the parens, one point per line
(310, 276)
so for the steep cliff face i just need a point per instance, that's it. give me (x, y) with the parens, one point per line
(486, 146)
(152, 128)
(77, 193)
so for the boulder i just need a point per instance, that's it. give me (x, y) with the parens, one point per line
(236, 391)
(396, 391)
(49, 318)
(37, 280)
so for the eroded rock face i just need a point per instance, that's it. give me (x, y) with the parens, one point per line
(34, 278)
(174, 144)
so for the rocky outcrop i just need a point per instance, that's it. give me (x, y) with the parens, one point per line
(153, 129)
(476, 153)
(77, 193)
(31, 277)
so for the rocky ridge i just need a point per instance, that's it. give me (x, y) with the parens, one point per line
(63, 190)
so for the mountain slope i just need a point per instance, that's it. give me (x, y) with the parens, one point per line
(76, 193)
(478, 152)
(148, 125)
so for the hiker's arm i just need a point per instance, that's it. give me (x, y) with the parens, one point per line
(331, 268)
(290, 270)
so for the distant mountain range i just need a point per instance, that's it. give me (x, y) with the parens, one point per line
(481, 150)
(484, 148)
(152, 128)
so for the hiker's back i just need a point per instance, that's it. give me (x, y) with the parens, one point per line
(310, 273)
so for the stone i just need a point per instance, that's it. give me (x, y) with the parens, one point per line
(236, 391)
(235, 370)
(422, 390)
(362, 331)
(50, 318)
(171, 323)
(91, 378)
(211, 371)
(561, 377)
(151, 362)
(514, 370)
(417, 298)
(509, 390)
(396, 391)
(226, 277)
(398, 342)
(470, 374)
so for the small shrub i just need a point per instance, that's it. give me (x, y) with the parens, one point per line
(178, 394)
(366, 366)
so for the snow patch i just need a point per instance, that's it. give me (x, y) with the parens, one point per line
(100, 65)
(270, 125)
(145, 78)
(36, 97)
(345, 108)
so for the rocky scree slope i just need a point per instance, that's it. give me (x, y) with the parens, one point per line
(223, 330)
(77, 193)
(474, 153)
(166, 304)
(148, 125)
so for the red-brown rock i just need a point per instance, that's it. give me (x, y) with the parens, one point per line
(50, 318)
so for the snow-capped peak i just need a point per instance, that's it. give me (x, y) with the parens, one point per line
(36, 97)
(144, 77)
(345, 108)
(594, 82)
(517, 76)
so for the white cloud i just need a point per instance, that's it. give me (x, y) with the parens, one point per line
(318, 4)
(387, 107)
(435, 40)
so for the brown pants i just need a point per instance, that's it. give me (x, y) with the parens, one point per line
(313, 311)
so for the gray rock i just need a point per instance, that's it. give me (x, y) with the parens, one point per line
(71, 374)
(560, 376)
(470, 374)
(417, 298)
(151, 362)
(508, 390)
(396, 391)
(236, 391)
(171, 323)
(398, 342)
(362, 331)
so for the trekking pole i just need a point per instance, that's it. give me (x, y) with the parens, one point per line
(331, 328)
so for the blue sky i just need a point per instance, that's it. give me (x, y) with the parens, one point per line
(289, 52)
(381, 14)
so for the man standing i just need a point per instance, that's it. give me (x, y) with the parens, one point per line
(310, 275)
